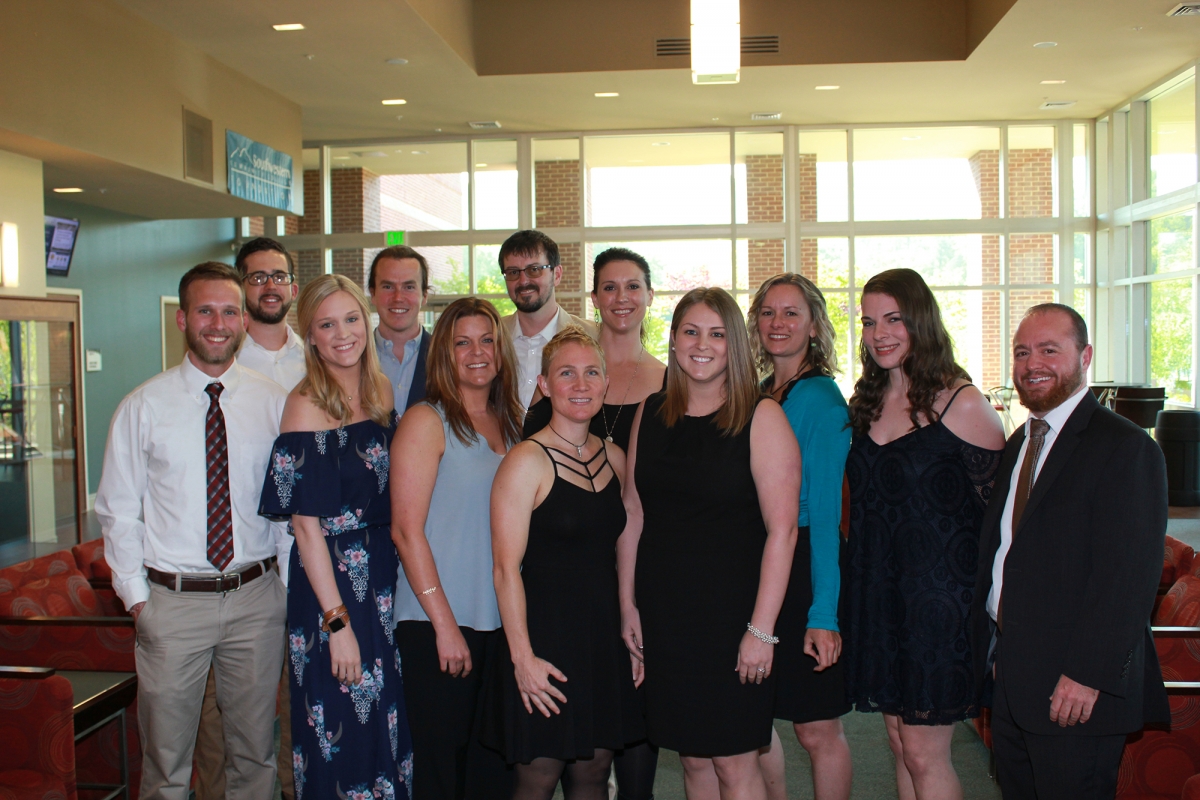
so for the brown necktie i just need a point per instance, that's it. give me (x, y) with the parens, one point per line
(1037, 438)
(216, 456)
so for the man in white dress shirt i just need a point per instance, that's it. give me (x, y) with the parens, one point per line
(271, 346)
(191, 558)
(531, 268)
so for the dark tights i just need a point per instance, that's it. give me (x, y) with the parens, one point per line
(582, 779)
(635, 767)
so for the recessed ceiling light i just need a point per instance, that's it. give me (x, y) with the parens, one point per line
(660, 144)
(397, 101)
(1052, 83)
(341, 158)
(608, 94)
(289, 26)
(829, 87)
(397, 62)
(399, 116)
(68, 190)
(716, 119)
(1046, 44)
(481, 165)
(909, 138)
(419, 152)
(309, 56)
(437, 130)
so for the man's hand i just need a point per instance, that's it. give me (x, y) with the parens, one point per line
(136, 610)
(1072, 702)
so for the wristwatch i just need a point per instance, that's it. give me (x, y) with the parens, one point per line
(336, 624)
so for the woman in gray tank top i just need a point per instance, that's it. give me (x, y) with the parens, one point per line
(443, 458)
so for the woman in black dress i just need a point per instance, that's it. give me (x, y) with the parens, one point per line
(926, 446)
(705, 557)
(565, 700)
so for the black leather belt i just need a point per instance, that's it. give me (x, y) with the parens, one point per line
(221, 583)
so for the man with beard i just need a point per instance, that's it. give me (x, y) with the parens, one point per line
(269, 277)
(1069, 561)
(531, 269)
(191, 558)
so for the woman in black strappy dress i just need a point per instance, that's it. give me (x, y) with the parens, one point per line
(565, 699)
(926, 445)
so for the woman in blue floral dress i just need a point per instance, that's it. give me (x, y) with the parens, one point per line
(329, 474)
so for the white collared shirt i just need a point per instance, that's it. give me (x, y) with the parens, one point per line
(153, 496)
(1055, 418)
(529, 356)
(285, 366)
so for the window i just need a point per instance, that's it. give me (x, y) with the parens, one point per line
(1172, 314)
(1173, 138)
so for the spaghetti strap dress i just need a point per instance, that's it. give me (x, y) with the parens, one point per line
(696, 582)
(349, 741)
(916, 507)
(574, 619)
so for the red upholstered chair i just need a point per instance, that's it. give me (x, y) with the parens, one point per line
(1157, 763)
(1191, 788)
(1178, 560)
(89, 558)
(37, 739)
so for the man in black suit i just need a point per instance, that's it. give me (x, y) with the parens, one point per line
(399, 284)
(1069, 560)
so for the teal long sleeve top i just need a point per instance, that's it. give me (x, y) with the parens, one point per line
(818, 414)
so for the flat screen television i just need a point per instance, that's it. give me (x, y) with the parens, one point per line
(61, 234)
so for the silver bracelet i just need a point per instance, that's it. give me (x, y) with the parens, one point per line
(765, 638)
(430, 590)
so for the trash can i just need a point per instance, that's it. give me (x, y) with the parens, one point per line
(1178, 434)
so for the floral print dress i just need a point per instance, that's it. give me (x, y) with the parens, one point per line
(349, 742)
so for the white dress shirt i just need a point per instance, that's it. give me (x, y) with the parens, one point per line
(529, 356)
(285, 366)
(153, 496)
(1055, 418)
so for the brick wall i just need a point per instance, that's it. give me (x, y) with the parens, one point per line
(556, 187)
(1031, 182)
(764, 203)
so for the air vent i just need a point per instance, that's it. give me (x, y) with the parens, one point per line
(752, 45)
(1054, 105)
(369, 154)
(488, 125)
(766, 116)
(1185, 10)
(197, 147)
(672, 47)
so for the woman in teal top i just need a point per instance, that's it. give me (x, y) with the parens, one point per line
(793, 341)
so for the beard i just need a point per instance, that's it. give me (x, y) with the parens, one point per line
(532, 304)
(1064, 386)
(258, 315)
(209, 354)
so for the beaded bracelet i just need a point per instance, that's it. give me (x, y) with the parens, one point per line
(765, 638)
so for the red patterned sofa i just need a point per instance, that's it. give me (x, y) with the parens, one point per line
(37, 732)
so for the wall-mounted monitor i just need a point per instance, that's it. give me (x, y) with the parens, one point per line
(61, 234)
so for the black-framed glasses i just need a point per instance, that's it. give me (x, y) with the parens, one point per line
(277, 278)
(532, 271)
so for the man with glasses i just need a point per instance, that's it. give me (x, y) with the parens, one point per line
(271, 347)
(529, 262)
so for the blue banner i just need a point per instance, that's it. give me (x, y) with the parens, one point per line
(258, 173)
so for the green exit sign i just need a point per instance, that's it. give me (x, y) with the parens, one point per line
(394, 238)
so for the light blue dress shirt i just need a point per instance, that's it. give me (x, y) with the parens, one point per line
(399, 371)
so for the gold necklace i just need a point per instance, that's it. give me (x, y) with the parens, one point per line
(608, 432)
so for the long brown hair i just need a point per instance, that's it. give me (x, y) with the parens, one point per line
(821, 355)
(442, 374)
(929, 366)
(741, 389)
(319, 385)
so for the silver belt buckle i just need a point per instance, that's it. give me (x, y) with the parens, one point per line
(237, 575)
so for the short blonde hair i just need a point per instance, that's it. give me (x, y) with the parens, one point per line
(822, 351)
(572, 334)
(319, 385)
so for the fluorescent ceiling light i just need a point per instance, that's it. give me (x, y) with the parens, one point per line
(716, 41)
(608, 94)
(289, 26)
(395, 102)
(481, 165)
(1045, 44)
(829, 87)
(397, 62)
(68, 190)
(660, 144)
(9, 253)
(1049, 83)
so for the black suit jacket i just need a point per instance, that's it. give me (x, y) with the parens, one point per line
(1081, 575)
(416, 392)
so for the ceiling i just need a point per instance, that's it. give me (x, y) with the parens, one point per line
(336, 70)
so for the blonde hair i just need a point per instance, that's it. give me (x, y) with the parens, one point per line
(741, 389)
(822, 352)
(442, 381)
(319, 385)
(571, 334)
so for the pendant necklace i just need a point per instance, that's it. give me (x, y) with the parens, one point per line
(608, 432)
(799, 372)
(578, 447)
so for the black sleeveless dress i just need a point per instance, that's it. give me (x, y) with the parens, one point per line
(574, 620)
(916, 506)
(697, 579)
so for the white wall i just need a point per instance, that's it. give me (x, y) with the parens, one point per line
(21, 201)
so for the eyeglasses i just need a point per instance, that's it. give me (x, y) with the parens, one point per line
(532, 271)
(277, 278)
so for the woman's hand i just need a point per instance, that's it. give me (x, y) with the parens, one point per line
(754, 659)
(533, 680)
(631, 631)
(343, 653)
(453, 654)
(639, 670)
(825, 646)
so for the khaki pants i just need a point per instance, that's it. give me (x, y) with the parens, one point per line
(182, 634)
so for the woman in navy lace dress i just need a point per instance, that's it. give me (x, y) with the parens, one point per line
(329, 473)
(926, 445)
